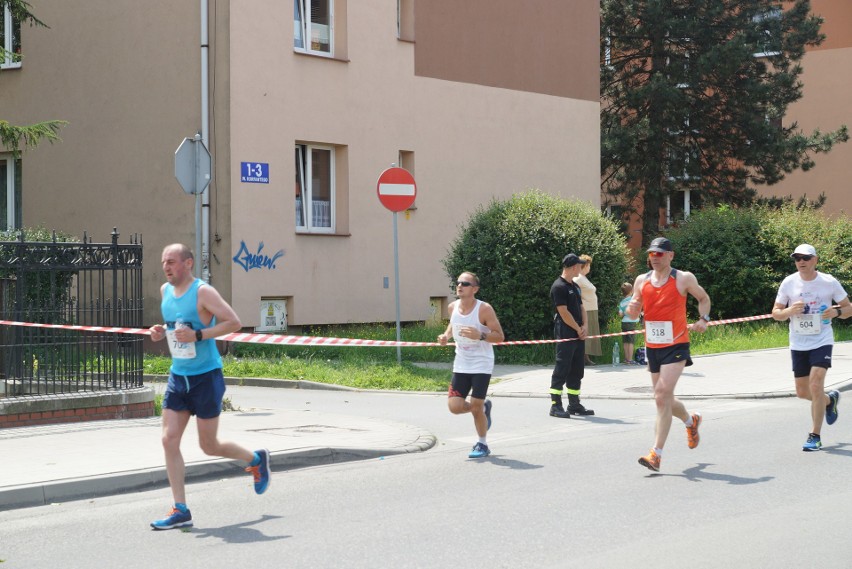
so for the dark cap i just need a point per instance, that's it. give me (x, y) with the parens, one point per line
(661, 245)
(571, 259)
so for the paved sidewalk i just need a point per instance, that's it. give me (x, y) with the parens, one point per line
(756, 374)
(60, 465)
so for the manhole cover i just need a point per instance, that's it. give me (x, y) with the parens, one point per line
(640, 389)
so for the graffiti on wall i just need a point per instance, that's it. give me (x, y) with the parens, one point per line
(248, 260)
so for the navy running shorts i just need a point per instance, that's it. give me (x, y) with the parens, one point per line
(200, 394)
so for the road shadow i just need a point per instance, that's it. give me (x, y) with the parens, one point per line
(600, 420)
(698, 474)
(497, 460)
(239, 533)
(842, 449)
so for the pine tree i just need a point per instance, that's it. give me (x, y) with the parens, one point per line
(14, 137)
(693, 93)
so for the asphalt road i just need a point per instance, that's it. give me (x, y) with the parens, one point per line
(555, 493)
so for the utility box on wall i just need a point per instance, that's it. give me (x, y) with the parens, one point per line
(273, 315)
(437, 310)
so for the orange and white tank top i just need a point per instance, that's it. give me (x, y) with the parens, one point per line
(665, 313)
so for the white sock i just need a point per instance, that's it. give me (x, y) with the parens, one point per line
(482, 440)
(658, 451)
(689, 421)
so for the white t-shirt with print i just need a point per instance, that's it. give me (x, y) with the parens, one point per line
(809, 331)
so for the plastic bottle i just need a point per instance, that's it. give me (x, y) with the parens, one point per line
(616, 354)
(179, 321)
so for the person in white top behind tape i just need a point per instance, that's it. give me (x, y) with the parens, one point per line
(807, 299)
(474, 326)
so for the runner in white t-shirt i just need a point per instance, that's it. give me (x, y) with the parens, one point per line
(807, 298)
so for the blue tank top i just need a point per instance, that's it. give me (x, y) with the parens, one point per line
(207, 356)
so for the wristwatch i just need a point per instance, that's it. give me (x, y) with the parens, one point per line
(839, 312)
(198, 335)
(483, 336)
(705, 317)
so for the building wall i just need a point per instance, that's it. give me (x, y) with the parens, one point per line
(128, 82)
(471, 142)
(826, 104)
(126, 77)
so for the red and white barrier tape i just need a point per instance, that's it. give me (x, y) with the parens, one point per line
(283, 340)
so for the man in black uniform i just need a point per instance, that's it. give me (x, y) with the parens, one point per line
(569, 322)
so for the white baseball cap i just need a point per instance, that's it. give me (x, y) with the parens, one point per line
(805, 249)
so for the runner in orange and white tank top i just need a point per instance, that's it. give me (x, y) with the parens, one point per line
(661, 294)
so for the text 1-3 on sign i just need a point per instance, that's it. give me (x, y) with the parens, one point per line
(254, 172)
(396, 189)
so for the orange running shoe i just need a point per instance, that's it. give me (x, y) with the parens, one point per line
(692, 437)
(651, 461)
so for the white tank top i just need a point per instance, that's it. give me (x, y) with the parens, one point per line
(472, 356)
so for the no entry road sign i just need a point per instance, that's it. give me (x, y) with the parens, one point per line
(396, 189)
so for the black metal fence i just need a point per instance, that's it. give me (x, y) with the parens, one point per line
(87, 284)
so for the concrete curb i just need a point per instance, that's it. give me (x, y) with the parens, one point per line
(154, 478)
(266, 382)
(845, 385)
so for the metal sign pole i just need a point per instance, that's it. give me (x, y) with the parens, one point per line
(396, 288)
(198, 262)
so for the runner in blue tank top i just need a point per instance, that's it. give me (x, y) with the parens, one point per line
(194, 314)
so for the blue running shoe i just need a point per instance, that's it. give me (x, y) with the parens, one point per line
(488, 405)
(831, 408)
(261, 472)
(812, 444)
(176, 519)
(479, 451)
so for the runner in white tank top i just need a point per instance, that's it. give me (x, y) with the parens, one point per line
(474, 326)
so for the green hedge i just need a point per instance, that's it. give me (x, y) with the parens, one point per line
(740, 256)
(516, 248)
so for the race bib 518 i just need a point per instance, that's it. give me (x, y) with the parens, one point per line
(659, 332)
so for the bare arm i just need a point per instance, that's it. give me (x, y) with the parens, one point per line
(158, 331)
(781, 312)
(634, 307)
(689, 285)
(210, 305)
(448, 333)
(841, 310)
(489, 319)
(569, 320)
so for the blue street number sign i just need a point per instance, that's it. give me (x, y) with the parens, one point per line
(254, 172)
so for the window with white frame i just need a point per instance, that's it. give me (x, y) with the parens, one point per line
(10, 193)
(312, 26)
(10, 39)
(314, 189)
(678, 206)
(768, 32)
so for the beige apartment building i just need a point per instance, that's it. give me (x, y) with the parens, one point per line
(825, 105)
(305, 103)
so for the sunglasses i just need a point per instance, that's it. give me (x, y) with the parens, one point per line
(798, 258)
(655, 253)
(464, 283)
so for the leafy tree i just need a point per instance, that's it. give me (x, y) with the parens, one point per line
(693, 96)
(14, 137)
(516, 248)
(722, 246)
